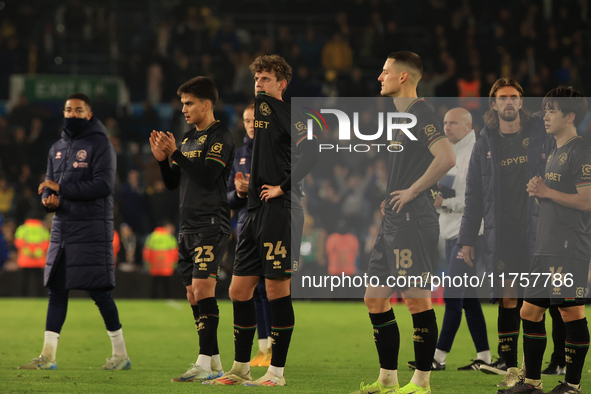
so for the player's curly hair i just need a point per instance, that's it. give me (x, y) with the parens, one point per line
(271, 63)
(567, 100)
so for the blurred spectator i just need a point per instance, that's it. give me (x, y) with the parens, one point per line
(312, 249)
(337, 55)
(6, 197)
(32, 240)
(133, 206)
(342, 249)
(161, 256)
(3, 246)
(164, 204)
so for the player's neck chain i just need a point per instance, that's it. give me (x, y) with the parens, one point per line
(573, 138)
(208, 126)
(510, 137)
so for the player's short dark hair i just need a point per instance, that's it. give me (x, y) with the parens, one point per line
(409, 59)
(567, 100)
(271, 63)
(201, 87)
(80, 96)
(491, 117)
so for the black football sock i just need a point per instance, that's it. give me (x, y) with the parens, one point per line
(424, 338)
(195, 310)
(508, 327)
(576, 347)
(245, 324)
(534, 345)
(209, 318)
(282, 323)
(387, 338)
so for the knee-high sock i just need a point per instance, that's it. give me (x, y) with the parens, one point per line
(558, 337)
(208, 325)
(387, 338)
(245, 323)
(576, 348)
(425, 338)
(534, 345)
(281, 329)
(508, 326)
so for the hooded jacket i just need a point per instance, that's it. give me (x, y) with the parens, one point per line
(83, 162)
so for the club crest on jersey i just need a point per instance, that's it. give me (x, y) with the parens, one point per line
(201, 140)
(562, 158)
(300, 127)
(525, 143)
(429, 130)
(264, 109)
(587, 169)
(217, 147)
(81, 155)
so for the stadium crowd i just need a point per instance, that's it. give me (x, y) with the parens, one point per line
(465, 47)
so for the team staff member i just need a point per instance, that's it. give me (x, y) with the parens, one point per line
(410, 229)
(563, 244)
(512, 149)
(237, 192)
(457, 125)
(79, 187)
(200, 167)
(271, 236)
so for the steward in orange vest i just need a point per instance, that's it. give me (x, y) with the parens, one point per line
(161, 252)
(31, 240)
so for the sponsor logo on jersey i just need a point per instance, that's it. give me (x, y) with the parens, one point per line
(202, 266)
(562, 158)
(429, 130)
(276, 265)
(81, 155)
(217, 147)
(184, 141)
(264, 109)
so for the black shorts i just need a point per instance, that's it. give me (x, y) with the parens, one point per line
(410, 252)
(512, 259)
(201, 254)
(567, 282)
(270, 240)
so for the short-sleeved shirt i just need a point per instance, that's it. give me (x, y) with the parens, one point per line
(275, 147)
(199, 206)
(564, 231)
(408, 165)
(513, 152)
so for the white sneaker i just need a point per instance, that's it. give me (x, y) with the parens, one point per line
(40, 362)
(194, 374)
(117, 363)
(217, 373)
(268, 379)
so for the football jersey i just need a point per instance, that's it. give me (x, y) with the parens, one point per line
(513, 153)
(564, 231)
(199, 206)
(275, 148)
(405, 167)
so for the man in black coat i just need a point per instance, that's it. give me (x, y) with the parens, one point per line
(79, 188)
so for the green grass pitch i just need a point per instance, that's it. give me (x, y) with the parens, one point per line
(332, 350)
